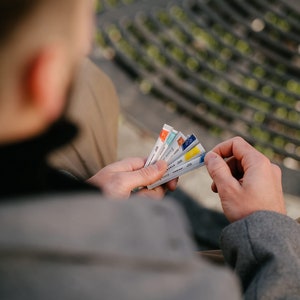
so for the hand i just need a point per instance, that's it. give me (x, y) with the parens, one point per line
(117, 180)
(246, 182)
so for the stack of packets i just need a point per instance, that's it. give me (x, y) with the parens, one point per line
(182, 153)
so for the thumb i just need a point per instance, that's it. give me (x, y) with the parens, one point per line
(148, 175)
(219, 171)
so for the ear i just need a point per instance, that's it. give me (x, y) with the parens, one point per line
(48, 77)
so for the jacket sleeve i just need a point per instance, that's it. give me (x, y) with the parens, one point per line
(264, 250)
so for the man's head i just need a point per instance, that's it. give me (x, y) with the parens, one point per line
(41, 44)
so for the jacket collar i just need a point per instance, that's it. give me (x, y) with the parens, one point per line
(24, 168)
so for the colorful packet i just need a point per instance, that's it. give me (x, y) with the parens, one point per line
(188, 144)
(174, 147)
(193, 164)
(166, 130)
(183, 154)
(167, 143)
(196, 151)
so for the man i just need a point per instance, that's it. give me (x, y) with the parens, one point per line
(59, 238)
(79, 245)
(34, 88)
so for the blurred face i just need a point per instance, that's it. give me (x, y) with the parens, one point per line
(39, 67)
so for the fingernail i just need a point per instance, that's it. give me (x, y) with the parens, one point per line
(210, 155)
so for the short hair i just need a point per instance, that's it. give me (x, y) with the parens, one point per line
(12, 13)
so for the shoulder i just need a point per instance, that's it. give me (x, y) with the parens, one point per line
(130, 250)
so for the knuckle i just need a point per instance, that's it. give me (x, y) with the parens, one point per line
(265, 161)
(277, 170)
(262, 159)
(146, 173)
(238, 139)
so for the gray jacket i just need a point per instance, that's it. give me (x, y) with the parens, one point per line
(264, 250)
(85, 247)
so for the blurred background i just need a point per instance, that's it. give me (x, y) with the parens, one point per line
(216, 68)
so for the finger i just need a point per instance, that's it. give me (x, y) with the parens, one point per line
(157, 193)
(232, 147)
(236, 147)
(145, 176)
(128, 164)
(172, 185)
(241, 150)
(232, 164)
(220, 172)
(236, 171)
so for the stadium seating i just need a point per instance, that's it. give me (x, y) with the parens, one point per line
(233, 65)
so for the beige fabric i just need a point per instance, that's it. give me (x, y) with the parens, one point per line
(94, 107)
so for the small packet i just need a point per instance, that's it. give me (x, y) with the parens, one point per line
(183, 154)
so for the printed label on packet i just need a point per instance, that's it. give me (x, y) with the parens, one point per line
(193, 164)
(196, 151)
(167, 143)
(166, 130)
(183, 154)
(188, 144)
(174, 147)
